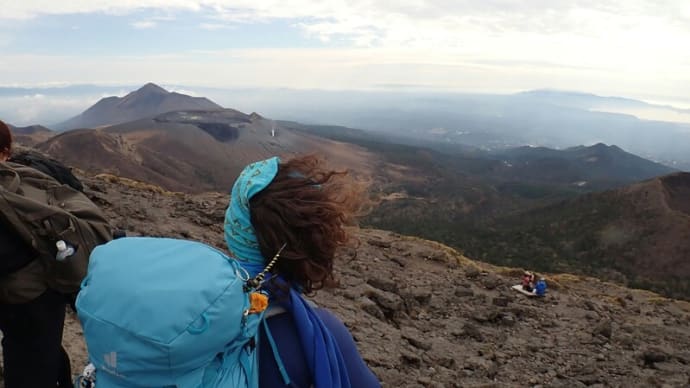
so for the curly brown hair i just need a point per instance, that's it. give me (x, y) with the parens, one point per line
(5, 139)
(311, 209)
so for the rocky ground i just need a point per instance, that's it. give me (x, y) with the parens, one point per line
(423, 315)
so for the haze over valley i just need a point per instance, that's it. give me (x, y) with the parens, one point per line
(468, 190)
(555, 119)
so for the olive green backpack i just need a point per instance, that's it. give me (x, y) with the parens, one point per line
(43, 211)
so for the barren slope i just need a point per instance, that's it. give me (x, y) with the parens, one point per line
(425, 316)
(194, 151)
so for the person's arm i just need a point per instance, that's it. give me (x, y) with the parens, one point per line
(358, 371)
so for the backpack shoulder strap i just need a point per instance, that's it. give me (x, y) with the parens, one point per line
(274, 350)
(276, 309)
(272, 311)
(9, 178)
(48, 166)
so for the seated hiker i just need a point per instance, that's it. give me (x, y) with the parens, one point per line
(540, 288)
(305, 209)
(32, 300)
(528, 281)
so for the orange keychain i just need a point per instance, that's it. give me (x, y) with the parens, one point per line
(258, 302)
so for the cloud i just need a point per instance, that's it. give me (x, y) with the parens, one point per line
(144, 24)
(600, 42)
(216, 26)
(153, 21)
(332, 69)
(182, 90)
(608, 26)
(29, 9)
(32, 109)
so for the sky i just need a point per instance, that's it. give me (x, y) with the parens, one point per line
(632, 48)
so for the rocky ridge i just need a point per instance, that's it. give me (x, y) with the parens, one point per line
(424, 315)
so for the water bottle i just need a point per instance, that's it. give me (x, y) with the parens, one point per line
(64, 250)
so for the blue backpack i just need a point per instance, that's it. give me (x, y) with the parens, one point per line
(160, 312)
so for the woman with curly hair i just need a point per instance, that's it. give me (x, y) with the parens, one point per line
(302, 210)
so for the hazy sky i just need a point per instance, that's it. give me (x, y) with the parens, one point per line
(636, 48)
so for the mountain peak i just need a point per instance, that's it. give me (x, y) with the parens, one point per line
(148, 101)
(152, 88)
(600, 146)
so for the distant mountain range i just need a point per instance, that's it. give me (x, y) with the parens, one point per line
(589, 168)
(30, 130)
(474, 199)
(491, 121)
(148, 101)
(31, 135)
(597, 167)
(548, 118)
(593, 101)
(151, 148)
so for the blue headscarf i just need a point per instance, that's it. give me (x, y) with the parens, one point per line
(323, 355)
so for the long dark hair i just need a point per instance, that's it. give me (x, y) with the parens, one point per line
(310, 208)
(5, 139)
